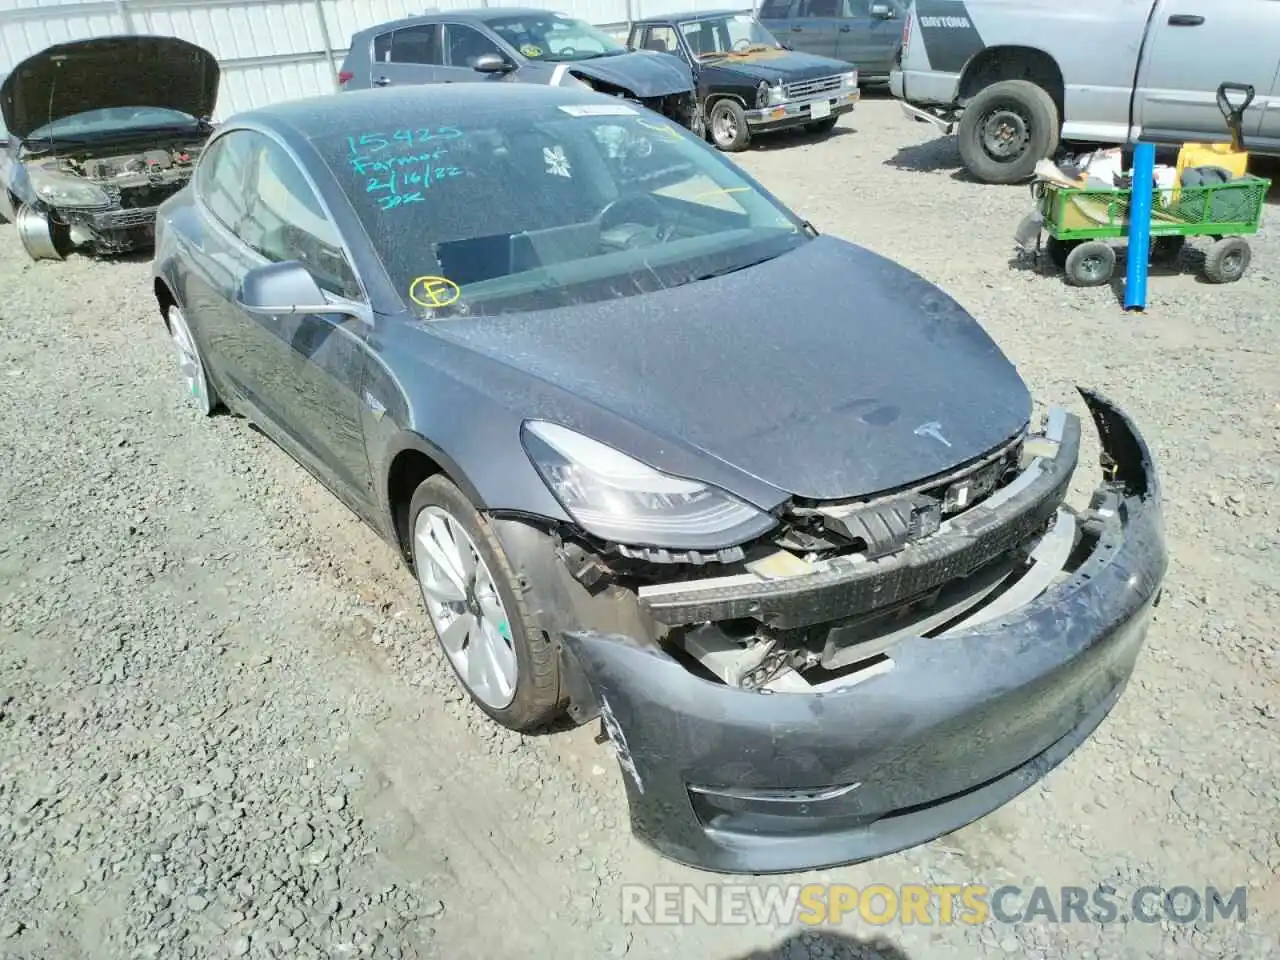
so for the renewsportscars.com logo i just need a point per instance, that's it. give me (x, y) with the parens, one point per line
(817, 904)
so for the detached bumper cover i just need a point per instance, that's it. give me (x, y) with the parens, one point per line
(741, 782)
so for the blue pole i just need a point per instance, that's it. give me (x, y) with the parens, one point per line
(1144, 169)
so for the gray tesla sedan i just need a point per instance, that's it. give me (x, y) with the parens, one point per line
(773, 508)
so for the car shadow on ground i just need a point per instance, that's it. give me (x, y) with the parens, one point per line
(933, 156)
(829, 945)
(780, 140)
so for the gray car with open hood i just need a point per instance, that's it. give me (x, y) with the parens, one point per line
(101, 131)
(517, 45)
(774, 508)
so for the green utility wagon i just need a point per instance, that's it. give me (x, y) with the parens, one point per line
(1080, 221)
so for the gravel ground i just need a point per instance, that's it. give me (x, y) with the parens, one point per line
(224, 730)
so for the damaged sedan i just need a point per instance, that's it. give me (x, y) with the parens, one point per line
(518, 45)
(774, 509)
(102, 131)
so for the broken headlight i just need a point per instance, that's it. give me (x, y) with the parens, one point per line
(60, 190)
(617, 498)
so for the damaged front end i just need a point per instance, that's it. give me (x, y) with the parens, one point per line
(869, 675)
(680, 106)
(101, 201)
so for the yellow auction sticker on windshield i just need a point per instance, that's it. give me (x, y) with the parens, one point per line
(531, 50)
(433, 292)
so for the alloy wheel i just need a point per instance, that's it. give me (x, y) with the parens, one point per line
(465, 608)
(190, 365)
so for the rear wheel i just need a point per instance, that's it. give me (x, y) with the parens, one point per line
(1166, 251)
(1059, 250)
(1091, 264)
(1227, 260)
(1006, 130)
(509, 668)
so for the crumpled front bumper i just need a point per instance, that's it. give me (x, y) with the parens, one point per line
(743, 782)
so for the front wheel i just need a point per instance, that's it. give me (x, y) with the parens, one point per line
(826, 125)
(508, 667)
(1006, 130)
(1091, 264)
(728, 123)
(42, 238)
(191, 369)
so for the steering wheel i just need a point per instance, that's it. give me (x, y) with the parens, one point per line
(566, 52)
(743, 44)
(641, 202)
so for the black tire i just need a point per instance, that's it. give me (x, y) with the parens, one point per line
(537, 701)
(1091, 264)
(1227, 260)
(1059, 250)
(727, 125)
(1167, 251)
(825, 125)
(1017, 113)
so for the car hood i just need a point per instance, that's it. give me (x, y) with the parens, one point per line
(779, 66)
(645, 73)
(828, 373)
(126, 71)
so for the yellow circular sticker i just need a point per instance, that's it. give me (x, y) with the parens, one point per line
(531, 50)
(433, 292)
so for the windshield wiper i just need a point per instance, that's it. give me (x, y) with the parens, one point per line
(712, 274)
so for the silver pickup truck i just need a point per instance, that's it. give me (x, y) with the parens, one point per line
(1012, 77)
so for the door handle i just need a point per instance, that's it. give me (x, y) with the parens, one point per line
(844, 29)
(382, 82)
(1185, 20)
(797, 29)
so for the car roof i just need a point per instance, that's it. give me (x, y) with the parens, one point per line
(473, 14)
(694, 15)
(352, 113)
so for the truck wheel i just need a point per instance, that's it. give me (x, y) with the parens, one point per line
(1091, 264)
(1227, 260)
(728, 126)
(1006, 130)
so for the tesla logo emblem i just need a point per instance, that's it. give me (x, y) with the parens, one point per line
(932, 429)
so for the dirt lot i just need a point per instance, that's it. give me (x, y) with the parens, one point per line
(225, 730)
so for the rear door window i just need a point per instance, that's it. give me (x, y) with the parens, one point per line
(420, 44)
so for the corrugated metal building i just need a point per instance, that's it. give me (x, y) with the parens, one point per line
(269, 49)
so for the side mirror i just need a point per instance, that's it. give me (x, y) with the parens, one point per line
(491, 63)
(288, 288)
(883, 11)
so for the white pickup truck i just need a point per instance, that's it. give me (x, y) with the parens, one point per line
(1012, 77)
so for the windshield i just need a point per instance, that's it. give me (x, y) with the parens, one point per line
(732, 33)
(551, 207)
(112, 120)
(555, 37)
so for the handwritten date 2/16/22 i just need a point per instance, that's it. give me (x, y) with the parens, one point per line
(403, 184)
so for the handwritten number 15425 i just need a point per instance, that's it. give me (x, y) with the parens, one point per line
(377, 142)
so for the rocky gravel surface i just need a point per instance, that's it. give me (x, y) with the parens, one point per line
(226, 732)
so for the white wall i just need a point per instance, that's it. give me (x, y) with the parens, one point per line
(269, 49)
